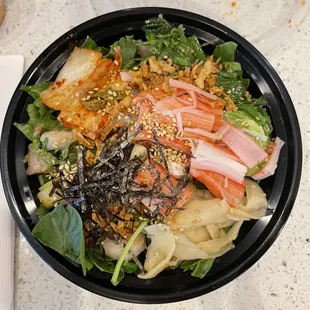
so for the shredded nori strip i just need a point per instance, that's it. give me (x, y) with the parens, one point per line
(111, 183)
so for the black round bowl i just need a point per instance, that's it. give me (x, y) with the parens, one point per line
(255, 236)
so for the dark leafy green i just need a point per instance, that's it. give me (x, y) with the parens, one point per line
(88, 261)
(199, 267)
(168, 41)
(230, 78)
(69, 153)
(62, 231)
(226, 52)
(39, 114)
(90, 43)
(107, 265)
(42, 211)
(130, 267)
(128, 50)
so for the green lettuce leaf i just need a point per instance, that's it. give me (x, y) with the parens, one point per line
(62, 231)
(199, 267)
(258, 167)
(39, 114)
(252, 115)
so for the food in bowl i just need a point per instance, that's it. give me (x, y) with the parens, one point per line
(148, 153)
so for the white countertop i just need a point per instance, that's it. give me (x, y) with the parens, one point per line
(281, 278)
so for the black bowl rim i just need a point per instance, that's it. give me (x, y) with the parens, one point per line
(162, 298)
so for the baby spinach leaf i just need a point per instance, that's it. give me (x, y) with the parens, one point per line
(108, 265)
(129, 267)
(90, 43)
(128, 50)
(42, 211)
(62, 231)
(226, 52)
(199, 267)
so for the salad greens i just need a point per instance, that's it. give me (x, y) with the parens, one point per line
(251, 113)
(60, 227)
(108, 265)
(128, 50)
(162, 40)
(41, 118)
(166, 41)
(198, 267)
(62, 231)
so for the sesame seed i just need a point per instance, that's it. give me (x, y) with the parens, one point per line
(88, 97)
(176, 237)
(135, 68)
(57, 103)
(91, 92)
(69, 119)
(77, 95)
(149, 136)
(96, 88)
(83, 99)
(189, 99)
(156, 254)
(116, 62)
(156, 88)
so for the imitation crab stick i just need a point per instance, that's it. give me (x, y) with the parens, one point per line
(191, 116)
(207, 157)
(148, 178)
(220, 186)
(242, 145)
(190, 87)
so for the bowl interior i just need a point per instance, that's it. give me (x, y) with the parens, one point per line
(255, 236)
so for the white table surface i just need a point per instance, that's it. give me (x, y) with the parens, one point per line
(281, 278)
